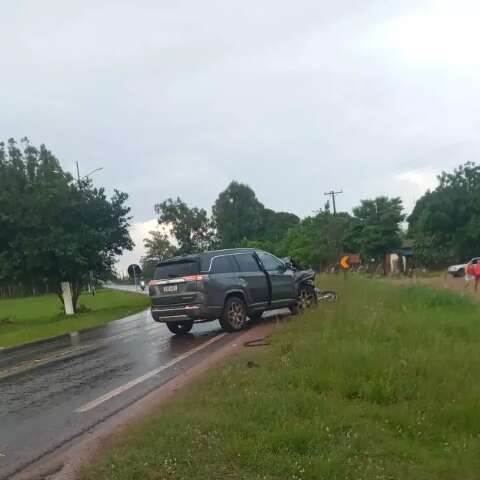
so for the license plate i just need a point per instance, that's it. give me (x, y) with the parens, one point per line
(171, 288)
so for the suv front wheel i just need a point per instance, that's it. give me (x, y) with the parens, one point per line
(306, 298)
(234, 315)
(180, 328)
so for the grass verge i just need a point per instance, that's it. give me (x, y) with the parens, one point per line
(385, 384)
(28, 319)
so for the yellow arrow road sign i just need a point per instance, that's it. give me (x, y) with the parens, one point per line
(344, 262)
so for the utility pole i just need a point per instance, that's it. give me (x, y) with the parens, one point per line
(332, 193)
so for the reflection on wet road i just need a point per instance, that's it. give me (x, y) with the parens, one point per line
(44, 387)
(128, 288)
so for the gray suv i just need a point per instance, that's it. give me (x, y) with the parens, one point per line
(228, 285)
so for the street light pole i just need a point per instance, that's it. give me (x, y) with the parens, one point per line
(78, 174)
(87, 175)
(93, 171)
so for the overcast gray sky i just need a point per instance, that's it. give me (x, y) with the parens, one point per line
(177, 98)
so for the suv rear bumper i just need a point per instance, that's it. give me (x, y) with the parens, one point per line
(195, 312)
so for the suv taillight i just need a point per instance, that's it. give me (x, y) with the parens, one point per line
(193, 278)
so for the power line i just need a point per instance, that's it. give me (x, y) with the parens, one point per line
(332, 193)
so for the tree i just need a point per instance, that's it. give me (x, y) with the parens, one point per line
(265, 245)
(53, 230)
(191, 227)
(148, 267)
(240, 219)
(445, 223)
(318, 240)
(377, 229)
(237, 215)
(275, 225)
(158, 246)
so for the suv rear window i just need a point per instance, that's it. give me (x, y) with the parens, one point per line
(223, 264)
(247, 263)
(181, 268)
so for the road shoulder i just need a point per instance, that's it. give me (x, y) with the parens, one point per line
(65, 463)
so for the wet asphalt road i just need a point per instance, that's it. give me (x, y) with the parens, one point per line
(53, 391)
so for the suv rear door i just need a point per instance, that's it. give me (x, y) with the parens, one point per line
(281, 278)
(255, 280)
(223, 275)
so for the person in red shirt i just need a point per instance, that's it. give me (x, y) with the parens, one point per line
(469, 275)
(476, 274)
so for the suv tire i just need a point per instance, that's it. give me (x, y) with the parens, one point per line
(234, 315)
(306, 298)
(180, 328)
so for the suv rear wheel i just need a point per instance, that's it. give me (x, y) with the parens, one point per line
(180, 328)
(234, 315)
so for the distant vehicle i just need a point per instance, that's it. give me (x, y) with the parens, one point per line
(228, 285)
(460, 269)
(457, 270)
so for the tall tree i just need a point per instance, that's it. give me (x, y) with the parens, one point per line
(191, 227)
(318, 240)
(445, 223)
(237, 214)
(275, 225)
(158, 246)
(52, 229)
(378, 227)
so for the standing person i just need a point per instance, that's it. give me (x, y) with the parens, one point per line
(476, 269)
(469, 275)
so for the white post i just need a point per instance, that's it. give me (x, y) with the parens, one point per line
(67, 298)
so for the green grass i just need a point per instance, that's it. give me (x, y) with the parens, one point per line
(385, 384)
(28, 319)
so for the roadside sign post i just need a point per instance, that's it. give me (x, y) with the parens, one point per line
(345, 264)
(134, 271)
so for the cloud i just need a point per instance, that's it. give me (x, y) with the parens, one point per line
(413, 184)
(138, 232)
(179, 98)
(422, 180)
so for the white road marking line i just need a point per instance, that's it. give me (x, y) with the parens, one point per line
(123, 388)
